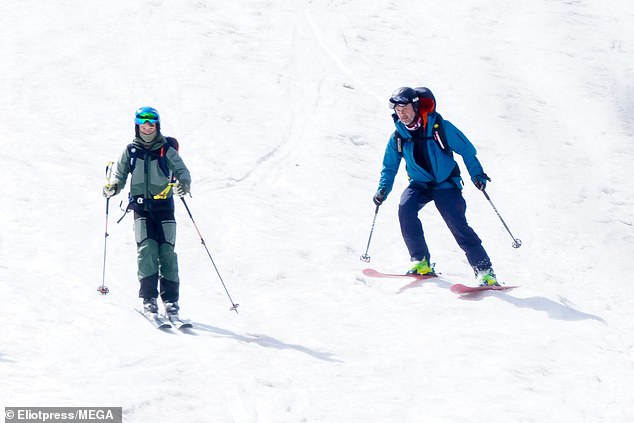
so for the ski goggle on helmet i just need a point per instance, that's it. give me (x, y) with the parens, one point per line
(403, 96)
(146, 114)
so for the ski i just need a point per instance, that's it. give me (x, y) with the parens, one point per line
(179, 324)
(376, 274)
(464, 289)
(155, 320)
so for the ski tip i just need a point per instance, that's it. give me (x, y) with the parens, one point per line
(458, 288)
(178, 323)
(370, 272)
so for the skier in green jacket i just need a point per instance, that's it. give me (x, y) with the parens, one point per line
(154, 165)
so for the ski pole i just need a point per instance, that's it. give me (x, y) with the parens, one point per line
(517, 243)
(234, 306)
(365, 257)
(103, 289)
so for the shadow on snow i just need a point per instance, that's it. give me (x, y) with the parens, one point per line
(554, 309)
(266, 341)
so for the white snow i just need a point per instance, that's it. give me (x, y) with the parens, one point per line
(280, 108)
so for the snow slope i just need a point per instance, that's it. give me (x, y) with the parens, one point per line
(280, 109)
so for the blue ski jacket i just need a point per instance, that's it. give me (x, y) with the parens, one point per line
(442, 175)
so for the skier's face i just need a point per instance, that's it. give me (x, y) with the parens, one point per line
(147, 128)
(405, 113)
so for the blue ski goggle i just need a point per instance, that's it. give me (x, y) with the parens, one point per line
(151, 117)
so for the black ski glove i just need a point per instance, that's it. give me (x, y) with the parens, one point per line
(480, 181)
(379, 197)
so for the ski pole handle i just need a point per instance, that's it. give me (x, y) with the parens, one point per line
(109, 167)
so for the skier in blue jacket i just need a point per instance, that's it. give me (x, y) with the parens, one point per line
(427, 143)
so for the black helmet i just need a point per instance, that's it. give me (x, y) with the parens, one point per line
(404, 95)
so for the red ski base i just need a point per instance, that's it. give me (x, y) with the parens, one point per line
(376, 274)
(464, 289)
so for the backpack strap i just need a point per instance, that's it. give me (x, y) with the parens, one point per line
(162, 160)
(438, 132)
(399, 142)
(133, 153)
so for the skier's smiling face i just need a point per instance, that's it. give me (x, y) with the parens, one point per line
(147, 128)
(405, 113)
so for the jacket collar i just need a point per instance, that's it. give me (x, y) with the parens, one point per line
(156, 144)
